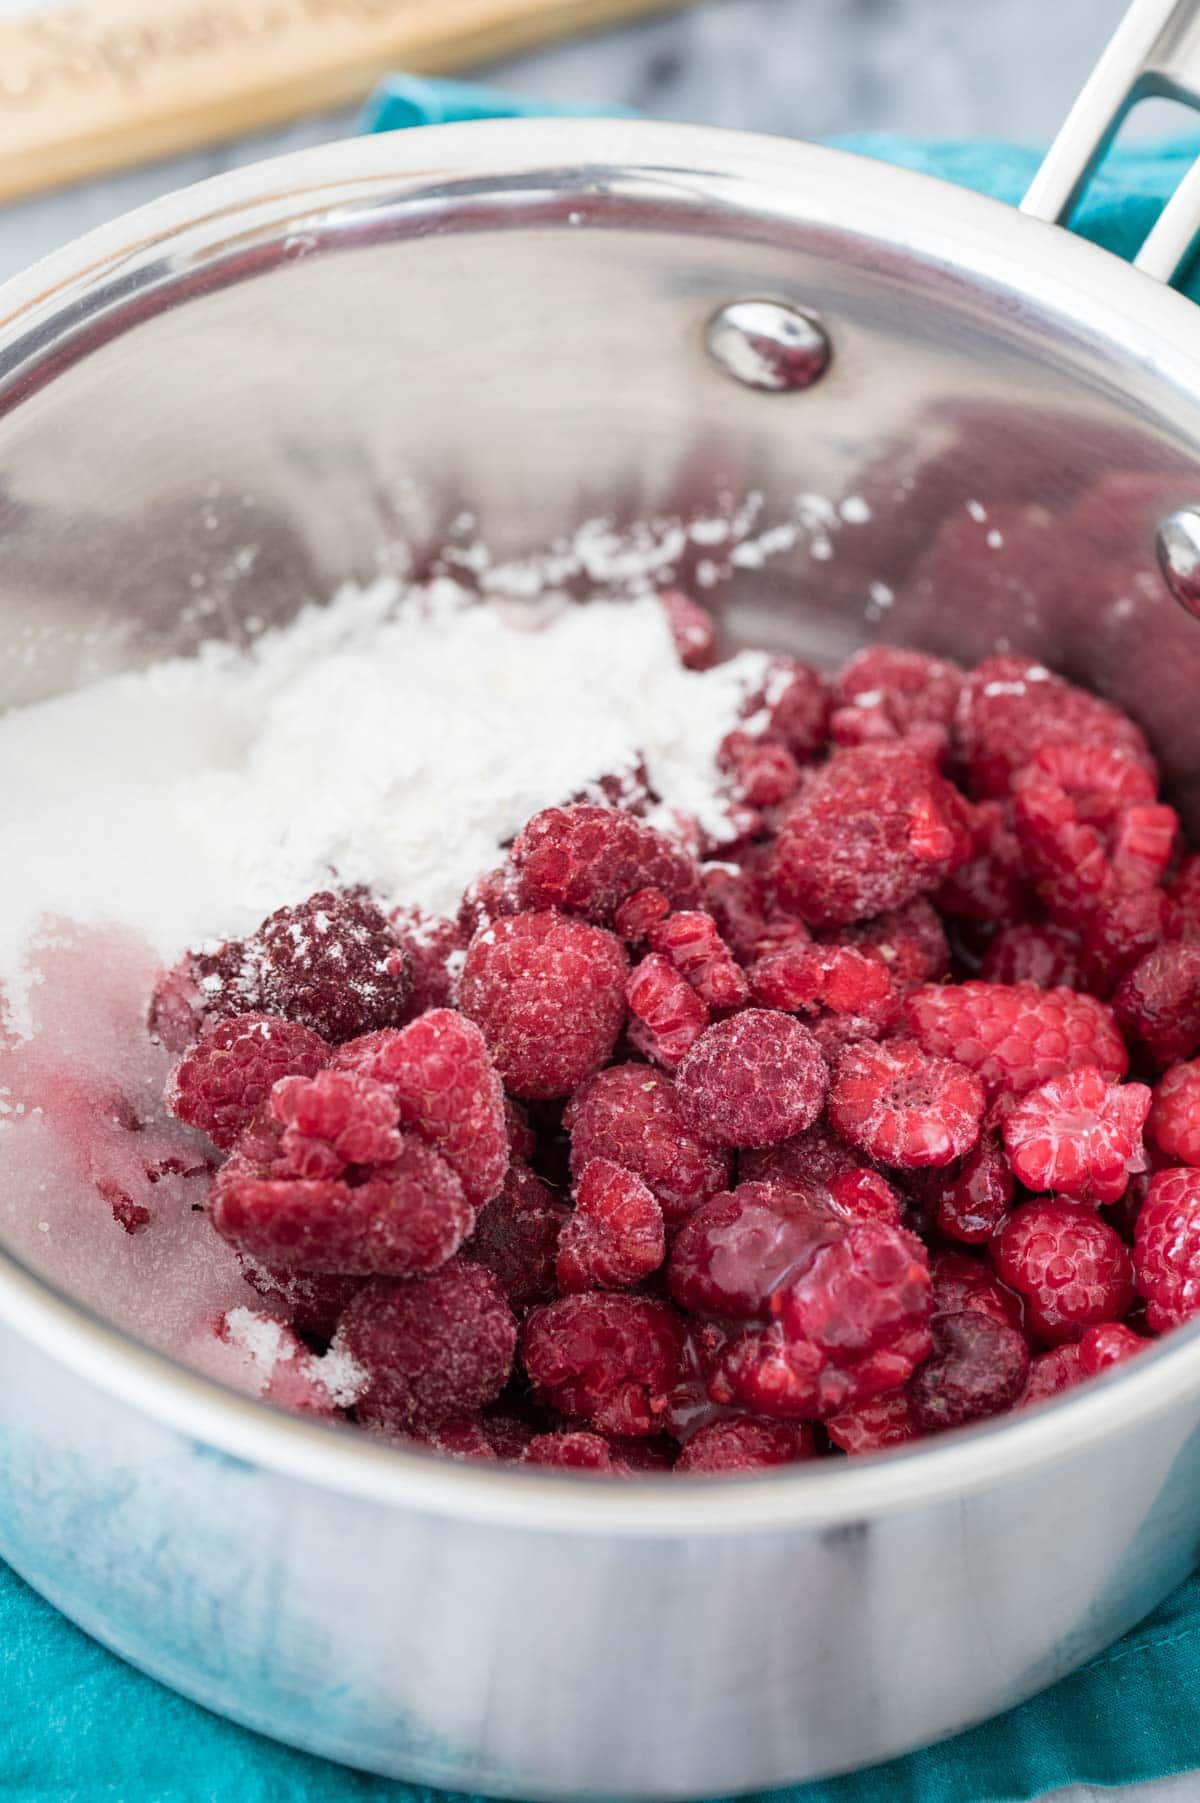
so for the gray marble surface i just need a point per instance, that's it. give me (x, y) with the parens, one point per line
(987, 68)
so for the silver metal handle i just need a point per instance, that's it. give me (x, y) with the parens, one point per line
(1155, 52)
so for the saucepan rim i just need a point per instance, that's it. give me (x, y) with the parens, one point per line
(1106, 303)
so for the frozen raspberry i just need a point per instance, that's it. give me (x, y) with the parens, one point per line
(1166, 1249)
(960, 1281)
(1119, 933)
(692, 628)
(611, 1361)
(434, 1348)
(615, 1236)
(765, 775)
(464, 1439)
(689, 940)
(819, 980)
(1173, 1126)
(1158, 1002)
(978, 1367)
(447, 1089)
(1073, 805)
(991, 886)
(899, 1105)
(736, 901)
(630, 1114)
(886, 692)
(1141, 846)
(516, 1237)
(1047, 956)
(638, 913)
(1051, 1373)
(751, 1080)
(549, 995)
(1078, 1135)
(741, 1443)
(792, 708)
(862, 1195)
(969, 1202)
(1184, 895)
(489, 898)
(404, 1216)
(874, 1426)
(870, 830)
(313, 1305)
(909, 941)
(689, 1405)
(1107, 1345)
(334, 1120)
(668, 1015)
(587, 860)
(737, 1250)
(1011, 706)
(1070, 1268)
(434, 946)
(852, 1324)
(1013, 1036)
(334, 963)
(575, 1452)
(220, 1084)
(815, 1156)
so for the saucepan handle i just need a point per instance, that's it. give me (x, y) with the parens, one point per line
(1155, 51)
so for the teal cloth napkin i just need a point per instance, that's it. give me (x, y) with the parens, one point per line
(79, 1726)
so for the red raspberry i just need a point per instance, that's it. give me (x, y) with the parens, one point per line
(615, 1236)
(897, 1104)
(447, 1090)
(751, 1080)
(465, 1439)
(691, 943)
(970, 1202)
(1030, 952)
(978, 1367)
(764, 774)
(313, 1305)
(1141, 846)
(991, 886)
(587, 860)
(852, 1324)
(334, 963)
(692, 628)
(1184, 894)
(910, 941)
(407, 1215)
(735, 900)
(639, 912)
(689, 1406)
(886, 692)
(1107, 1345)
(1166, 1249)
(874, 1426)
(1078, 1135)
(668, 1015)
(1069, 1266)
(434, 1348)
(228, 1075)
(1012, 1036)
(743, 1444)
(817, 980)
(1072, 805)
(1158, 1002)
(575, 1452)
(960, 1282)
(815, 1156)
(516, 1237)
(334, 1120)
(870, 830)
(549, 994)
(1174, 1122)
(865, 1196)
(737, 1250)
(630, 1114)
(1119, 933)
(495, 896)
(791, 708)
(434, 946)
(611, 1361)
(1051, 1373)
(1011, 706)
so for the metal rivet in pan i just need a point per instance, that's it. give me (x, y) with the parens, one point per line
(769, 345)
(1178, 545)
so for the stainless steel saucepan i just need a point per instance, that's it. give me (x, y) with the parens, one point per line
(542, 322)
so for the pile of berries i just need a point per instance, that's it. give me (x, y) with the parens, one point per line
(875, 1120)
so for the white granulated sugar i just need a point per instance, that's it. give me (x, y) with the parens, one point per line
(391, 739)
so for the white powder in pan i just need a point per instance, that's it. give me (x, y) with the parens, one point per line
(390, 739)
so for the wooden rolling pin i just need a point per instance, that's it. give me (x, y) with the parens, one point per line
(99, 85)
